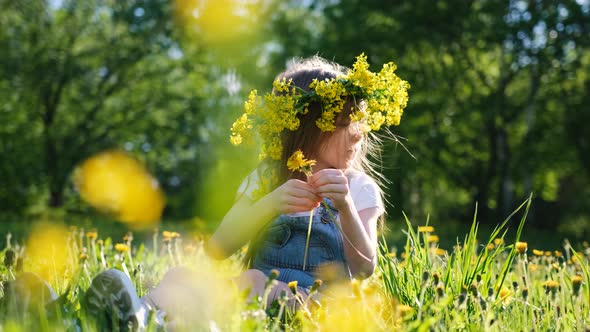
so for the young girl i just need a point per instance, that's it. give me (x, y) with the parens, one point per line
(332, 107)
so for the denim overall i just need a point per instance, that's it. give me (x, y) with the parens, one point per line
(283, 248)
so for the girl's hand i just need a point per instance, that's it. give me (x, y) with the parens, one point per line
(295, 196)
(333, 184)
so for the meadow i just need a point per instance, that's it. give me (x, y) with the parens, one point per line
(483, 283)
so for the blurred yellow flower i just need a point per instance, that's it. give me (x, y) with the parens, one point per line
(116, 183)
(551, 285)
(505, 293)
(498, 241)
(120, 247)
(537, 252)
(432, 238)
(92, 235)
(425, 229)
(47, 249)
(404, 309)
(521, 247)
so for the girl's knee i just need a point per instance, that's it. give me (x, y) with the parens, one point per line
(252, 279)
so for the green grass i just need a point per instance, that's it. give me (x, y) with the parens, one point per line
(483, 281)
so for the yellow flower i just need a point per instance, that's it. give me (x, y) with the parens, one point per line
(293, 286)
(297, 162)
(551, 285)
(490, 246)
(437, 251)
(533, 267)
(432, 238)
(425, 229)
(170, 235)
(537, 252)
(403, 309)
(521, 247)
(120, 247)
(505, 293)
(116, 183)
(92, 235)
(576, 283)
(498, 241)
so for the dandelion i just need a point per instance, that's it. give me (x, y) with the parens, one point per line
(298, 163)
(293, 286)
(120, 247)
(537, 252)
(316, 285)
(498, 241)
(404, 309)
(83, 257)
(92, 235)
(521, 247)
(551, 286)
(274, 273)
(169, 236)
(432, 239)
(505, 293)
(576, 283)
(425, 229)
(490, 246)
(436, 277)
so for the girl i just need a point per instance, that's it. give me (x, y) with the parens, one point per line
(346, 201)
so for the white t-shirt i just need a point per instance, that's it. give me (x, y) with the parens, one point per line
(363, 190)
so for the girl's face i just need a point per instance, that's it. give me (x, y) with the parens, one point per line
(341, 148)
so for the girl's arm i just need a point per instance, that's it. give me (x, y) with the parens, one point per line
(360, 227)
(246, 218)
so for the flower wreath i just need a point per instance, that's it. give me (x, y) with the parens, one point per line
(384, 94)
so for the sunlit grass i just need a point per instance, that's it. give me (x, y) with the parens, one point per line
(485, 282)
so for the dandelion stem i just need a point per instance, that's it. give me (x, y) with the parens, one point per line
(307, 240)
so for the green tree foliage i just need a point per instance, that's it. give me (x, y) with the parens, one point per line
(88, 75)
(497, 101)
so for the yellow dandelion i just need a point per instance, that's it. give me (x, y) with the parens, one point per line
(551, 285)
(576, 283)
(116, 183)
(537, 252)
(404, 309)
(558, 253)
(505, 293)
(298, 163)
(533, 267)
(548, 253)
(120, 247)
(521, 247)
(425, 229)
(293, 286)
(498, 241)
(83, 257)
(432, 238)
(92, 235)
(490, 246)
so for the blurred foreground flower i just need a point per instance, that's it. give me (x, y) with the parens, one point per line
(47, 251)
(115, 183)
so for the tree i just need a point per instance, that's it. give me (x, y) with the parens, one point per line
(485, 120)
(91, 75)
